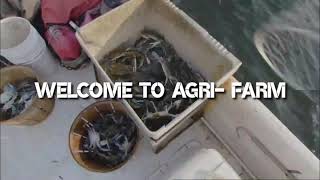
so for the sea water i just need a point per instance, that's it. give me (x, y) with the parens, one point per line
(235, 22)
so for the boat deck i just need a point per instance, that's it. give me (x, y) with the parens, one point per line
(42, 151)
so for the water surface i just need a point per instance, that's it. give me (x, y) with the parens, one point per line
(233, 23)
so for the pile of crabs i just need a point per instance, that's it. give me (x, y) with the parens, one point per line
(15, 99)
(152, 59)
(110, 139)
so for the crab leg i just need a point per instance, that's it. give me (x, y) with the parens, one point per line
(158, 115)
(154, 106)
(135, 65)
(165, 68)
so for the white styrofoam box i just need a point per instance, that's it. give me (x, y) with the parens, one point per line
(192, 43)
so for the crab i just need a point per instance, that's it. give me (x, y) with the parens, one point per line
(95, 142)
(14, 100)
(110, 138)
(152, 59)
(165, 69)
(157, 114)
(8, 97)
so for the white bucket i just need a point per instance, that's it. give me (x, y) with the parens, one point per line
(21, 44)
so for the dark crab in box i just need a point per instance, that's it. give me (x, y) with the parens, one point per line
(152, 59)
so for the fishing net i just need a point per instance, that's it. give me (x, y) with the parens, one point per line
(290, 45)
